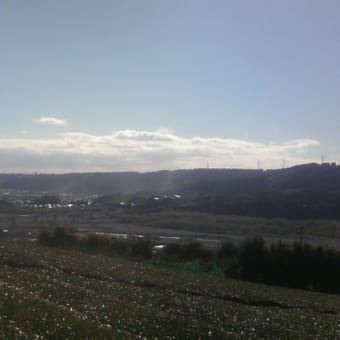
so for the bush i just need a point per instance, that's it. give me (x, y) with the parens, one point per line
(141, 249)
(61, 237)
(172, 251)
(194, 251)
(227, 251)
(119, 247)
(253, 257)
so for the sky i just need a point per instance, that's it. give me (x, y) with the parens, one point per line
(143, 85)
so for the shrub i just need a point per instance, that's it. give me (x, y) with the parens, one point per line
(141, 249)
(253, 257)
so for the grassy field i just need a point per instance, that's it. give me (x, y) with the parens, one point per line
(323, 232)
(58, 294)
(183, 224)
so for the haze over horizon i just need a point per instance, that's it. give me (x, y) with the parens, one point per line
(150, 85)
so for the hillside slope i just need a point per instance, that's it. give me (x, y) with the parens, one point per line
(307, 177)
(51, 293)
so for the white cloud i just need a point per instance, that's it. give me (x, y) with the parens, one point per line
(147, 150)
(51, 121)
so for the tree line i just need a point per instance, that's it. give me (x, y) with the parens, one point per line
(299, 265)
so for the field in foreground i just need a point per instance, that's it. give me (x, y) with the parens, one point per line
(55, 293)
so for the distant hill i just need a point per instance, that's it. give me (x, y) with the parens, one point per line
(304, 191)
(127, 182)
(308, 177)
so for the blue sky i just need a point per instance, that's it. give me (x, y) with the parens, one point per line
(145, 85)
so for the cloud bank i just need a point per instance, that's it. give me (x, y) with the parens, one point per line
(51, 121)
(131, 150)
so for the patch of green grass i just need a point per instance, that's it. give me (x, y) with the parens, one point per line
(192, 266)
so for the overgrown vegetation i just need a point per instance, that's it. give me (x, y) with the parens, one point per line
(297, 266)
(139, 248)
